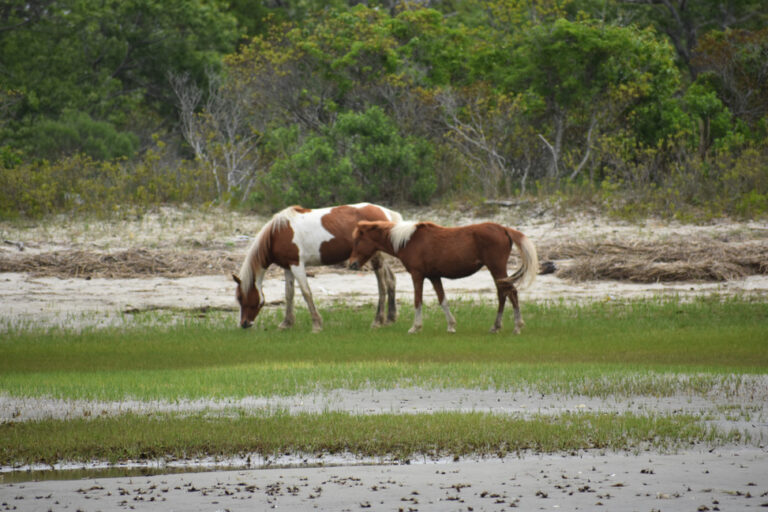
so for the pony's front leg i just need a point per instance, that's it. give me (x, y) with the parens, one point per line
(418, 288)
(437, 284)
(290, 317)
(301, 276)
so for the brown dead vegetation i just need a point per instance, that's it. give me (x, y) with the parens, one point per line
(122, 264)
(635, 261)
(659, 261)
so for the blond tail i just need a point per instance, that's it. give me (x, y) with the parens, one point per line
(525, 275)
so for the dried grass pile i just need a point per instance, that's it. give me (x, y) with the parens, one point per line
(123, 264)
(635, 261)
(649, 262)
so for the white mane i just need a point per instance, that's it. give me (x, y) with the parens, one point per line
(251, 261)
(401, 233)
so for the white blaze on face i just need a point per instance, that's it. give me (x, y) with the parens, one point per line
(309, 234)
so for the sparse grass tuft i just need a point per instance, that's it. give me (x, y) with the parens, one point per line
(132, 437)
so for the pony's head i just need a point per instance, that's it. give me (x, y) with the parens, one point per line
(366, 240)
(250, 300)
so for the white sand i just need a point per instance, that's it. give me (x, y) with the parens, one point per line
(79, 302)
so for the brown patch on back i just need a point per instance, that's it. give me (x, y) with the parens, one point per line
(300, 209)
(284, 252)
(370, 212)
(341, 222)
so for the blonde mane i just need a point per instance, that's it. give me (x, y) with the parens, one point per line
(401, 232)
(260, 245)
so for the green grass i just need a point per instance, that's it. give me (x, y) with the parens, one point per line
(132, 437)
(602, 348)
(658, 348)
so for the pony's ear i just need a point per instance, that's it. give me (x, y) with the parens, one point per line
(237, 279)
(365, 226)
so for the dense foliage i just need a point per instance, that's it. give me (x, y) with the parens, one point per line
(648, 107)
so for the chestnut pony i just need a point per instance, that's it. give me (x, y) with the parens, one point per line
(296, 238)
(433, 252)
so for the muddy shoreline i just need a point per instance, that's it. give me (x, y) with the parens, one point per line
(721, 479)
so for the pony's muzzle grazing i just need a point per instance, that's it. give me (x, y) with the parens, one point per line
(354, 265)
(246, 324)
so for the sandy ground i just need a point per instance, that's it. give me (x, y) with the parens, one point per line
(734, 478)
(723, 479)
(75, 301)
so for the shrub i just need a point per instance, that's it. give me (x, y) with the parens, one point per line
(361, 157)
(81, 184)
(77, 133)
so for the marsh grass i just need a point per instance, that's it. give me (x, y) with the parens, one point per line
(640, 347)
(132, 437)
(658, 348)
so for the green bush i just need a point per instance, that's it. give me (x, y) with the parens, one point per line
(361, 157)
(82, 184)
(77, 133)
(732, 181)
(312, 176)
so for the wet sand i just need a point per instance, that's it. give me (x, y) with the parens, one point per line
(724, 479)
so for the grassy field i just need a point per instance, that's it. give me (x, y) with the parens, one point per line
(619, 349)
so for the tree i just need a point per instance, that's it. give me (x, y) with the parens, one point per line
(580, 78)
(736, 63)
(107, 60)
(222, 133)
(491, 134)
(685, 21)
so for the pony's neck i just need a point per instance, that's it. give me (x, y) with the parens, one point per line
(258, 259)
(252, 275)
(384, 242)
(258, 280)
(398, 235)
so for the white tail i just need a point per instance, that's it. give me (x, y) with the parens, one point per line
(526, 274)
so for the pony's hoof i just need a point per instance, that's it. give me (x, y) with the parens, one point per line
(452, 330)
(494, 329)
(414, 330)
(283, 326)
(317, 328)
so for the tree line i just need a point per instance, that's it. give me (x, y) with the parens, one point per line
(648, 106)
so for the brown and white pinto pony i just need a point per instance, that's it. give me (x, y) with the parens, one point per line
(433, 252)
(296, 238)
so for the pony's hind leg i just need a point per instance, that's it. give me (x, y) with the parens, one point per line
(418, 288)
(437, 284)
(501, 292)
(506, 289)
(290, 317)
(512, 294)
(391, 284)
